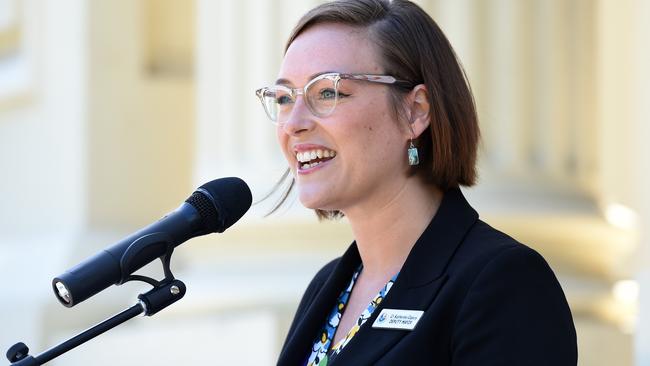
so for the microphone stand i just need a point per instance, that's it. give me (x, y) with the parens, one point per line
(163, 294)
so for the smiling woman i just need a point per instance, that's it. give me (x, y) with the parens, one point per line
(377, 122)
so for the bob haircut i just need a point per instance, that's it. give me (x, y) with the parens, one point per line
(413, 48)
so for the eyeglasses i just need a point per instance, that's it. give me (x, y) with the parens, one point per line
(321, 94)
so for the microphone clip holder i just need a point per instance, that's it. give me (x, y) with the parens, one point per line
(164, 293)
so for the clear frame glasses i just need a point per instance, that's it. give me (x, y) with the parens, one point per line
(321, 94)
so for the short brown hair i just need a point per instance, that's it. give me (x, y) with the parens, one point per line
(414, 48)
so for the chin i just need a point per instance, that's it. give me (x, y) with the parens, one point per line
(315, 200)
(310, 202)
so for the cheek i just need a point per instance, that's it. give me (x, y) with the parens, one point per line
(382, 144)
(367, 151)
(379, 132)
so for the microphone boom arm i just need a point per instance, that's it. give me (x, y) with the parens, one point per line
(164, 293)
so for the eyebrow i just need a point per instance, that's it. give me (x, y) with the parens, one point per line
(282, 81)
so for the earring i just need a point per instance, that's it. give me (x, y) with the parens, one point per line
(414, 159)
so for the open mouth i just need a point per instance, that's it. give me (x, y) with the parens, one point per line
(311, 158)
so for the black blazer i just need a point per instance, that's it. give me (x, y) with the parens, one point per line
(487, 300)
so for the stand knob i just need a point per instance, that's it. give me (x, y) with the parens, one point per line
(17, 352)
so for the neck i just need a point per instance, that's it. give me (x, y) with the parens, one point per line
(386, 231)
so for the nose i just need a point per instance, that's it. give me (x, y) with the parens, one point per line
(300, 119)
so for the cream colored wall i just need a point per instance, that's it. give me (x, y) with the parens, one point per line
(141, 122)
(41, 149)
(137, 102)
(629, 57)
(42, 161)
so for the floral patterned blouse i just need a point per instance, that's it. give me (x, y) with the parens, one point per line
(321, 353)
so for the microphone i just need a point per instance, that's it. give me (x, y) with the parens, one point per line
(213, 207)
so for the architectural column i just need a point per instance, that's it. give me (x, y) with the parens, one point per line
(233, 136)
(42, 163)
(217, 90)
(615, 105)
(624, 132)
(641, 162)
(458, 20)
(550, 126)
(461, 21)
(140, 120)
(501, 115)
(582, 93)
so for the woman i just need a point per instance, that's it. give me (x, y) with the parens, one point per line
(377, 122)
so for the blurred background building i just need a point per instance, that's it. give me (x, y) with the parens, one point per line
(112, 112)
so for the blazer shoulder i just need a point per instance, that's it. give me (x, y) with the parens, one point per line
(489, 253)
(483, 243)
(517, 303)
(486, 252)
(511, 294)
(489, 237)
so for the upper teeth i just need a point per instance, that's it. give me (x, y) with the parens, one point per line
(306, 156)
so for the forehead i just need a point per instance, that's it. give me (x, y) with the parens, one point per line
(329, 48)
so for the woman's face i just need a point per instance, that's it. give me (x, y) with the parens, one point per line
(369, 163)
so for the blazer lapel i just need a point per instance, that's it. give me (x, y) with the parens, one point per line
(300, 344)
(419, 281)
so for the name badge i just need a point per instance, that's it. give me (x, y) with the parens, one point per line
(397, 319)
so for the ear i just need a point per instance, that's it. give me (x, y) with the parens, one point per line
(419, 110)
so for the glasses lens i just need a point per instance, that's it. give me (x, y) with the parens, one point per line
(277, 103)
(270, 107)
(321, 96)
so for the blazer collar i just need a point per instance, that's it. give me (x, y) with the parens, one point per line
(419, 281)
(416, 286)
(431, 253)
(298, 345)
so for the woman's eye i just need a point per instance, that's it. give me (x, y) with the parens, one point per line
(283, 99)
(327, 94)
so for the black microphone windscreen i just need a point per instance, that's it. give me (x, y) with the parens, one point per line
(232, 199)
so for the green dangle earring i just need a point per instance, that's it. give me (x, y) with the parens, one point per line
(414, 159)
